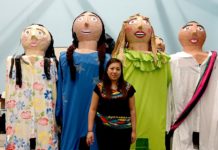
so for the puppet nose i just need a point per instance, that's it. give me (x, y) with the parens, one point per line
(194, 31)
(33, 34)
(86, 24)
(140, 27)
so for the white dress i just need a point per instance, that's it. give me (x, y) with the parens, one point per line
(186, 73)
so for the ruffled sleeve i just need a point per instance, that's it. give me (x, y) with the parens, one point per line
(145, 61)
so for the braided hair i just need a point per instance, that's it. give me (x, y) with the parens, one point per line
(48, 54)
(101, 48)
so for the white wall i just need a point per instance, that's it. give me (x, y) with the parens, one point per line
(166, 16)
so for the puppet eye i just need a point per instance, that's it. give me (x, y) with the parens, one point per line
(94, 19)
(40, 33)
(200, 29)
(27, 32)
(80, 19)
(132, 21)
(187, 28)
(146, 22)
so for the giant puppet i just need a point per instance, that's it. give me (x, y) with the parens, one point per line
(80, 68)
(31, 92)
(160, 45)
(149, 72)
(192, 104)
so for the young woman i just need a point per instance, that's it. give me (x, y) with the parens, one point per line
(113, 104)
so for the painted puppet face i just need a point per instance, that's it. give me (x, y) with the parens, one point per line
(192, 34)
(138, 29)
(160, 45)
(35, 39)
(114, 71)
(88, 27)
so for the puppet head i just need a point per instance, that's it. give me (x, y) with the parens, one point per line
(136, 29)
(36, 40)
(192, 36)
(160, 45)
(87, 28)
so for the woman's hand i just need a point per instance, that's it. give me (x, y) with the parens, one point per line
(90, 138)
(133, 137)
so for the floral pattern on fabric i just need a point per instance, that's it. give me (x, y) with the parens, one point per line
(30, 109)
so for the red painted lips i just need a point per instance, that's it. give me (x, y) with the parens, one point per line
(140, 34)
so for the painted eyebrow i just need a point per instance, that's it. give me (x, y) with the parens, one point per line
(81, 15)
(191, 25)
(36, 28)
(145, 19)
(27, 28)
(200, 26)
(161, 39)
(41, 30)
(187, 25)
(132, 19)
(93, 15)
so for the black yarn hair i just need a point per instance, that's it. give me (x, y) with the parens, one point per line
(101, 48)
(110, 43)
(50, 53)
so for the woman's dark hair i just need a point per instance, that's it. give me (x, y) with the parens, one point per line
(107, 81)
(50, 53)
(101, 48)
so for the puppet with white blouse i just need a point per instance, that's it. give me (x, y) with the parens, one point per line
(192, 104)
(31, 93)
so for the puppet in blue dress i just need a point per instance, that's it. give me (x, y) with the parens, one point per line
(80, 68)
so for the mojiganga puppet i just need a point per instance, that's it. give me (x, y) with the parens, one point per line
(31, 92)
(194, 76)
(80, 68)
(148, 71)
(160, 45)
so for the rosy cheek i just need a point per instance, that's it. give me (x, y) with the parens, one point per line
(149, 30)
(44, 39)
(24, 38)
(128, 29)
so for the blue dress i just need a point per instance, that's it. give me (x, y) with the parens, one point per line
(74, 97)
